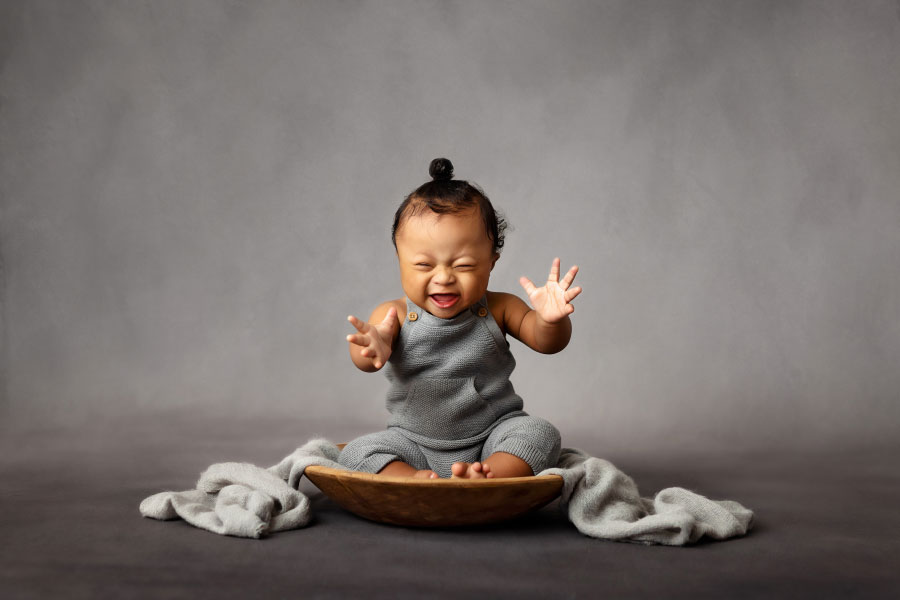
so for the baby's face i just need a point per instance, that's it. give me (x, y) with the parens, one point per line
(445, 260)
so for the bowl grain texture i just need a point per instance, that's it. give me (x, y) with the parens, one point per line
(434, 502)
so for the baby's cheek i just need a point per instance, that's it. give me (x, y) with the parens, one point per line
(476, 285)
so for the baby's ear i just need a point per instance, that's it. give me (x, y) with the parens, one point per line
(495, 259)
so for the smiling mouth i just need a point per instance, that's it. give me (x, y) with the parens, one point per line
(444, 300)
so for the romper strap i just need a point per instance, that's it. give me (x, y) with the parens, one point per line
(412, 312)
(481, 309)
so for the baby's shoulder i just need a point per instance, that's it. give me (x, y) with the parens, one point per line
(504, 306)
(382, 310)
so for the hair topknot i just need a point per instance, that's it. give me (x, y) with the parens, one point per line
(441, 169)
(445, 195)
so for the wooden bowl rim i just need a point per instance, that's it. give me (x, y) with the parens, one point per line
(453, 483)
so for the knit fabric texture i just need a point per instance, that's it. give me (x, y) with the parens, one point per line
(534, 440)
(450, 377)
(450, 392)
(245, 500)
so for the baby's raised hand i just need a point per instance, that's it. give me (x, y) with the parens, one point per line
(552, 302)
(375, 339)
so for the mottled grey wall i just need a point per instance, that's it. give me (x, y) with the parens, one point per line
(196, 194)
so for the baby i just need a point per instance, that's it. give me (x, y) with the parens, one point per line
(453, 410)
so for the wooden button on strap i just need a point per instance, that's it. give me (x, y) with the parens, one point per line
(412, 316)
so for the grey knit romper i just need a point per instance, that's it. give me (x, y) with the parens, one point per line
(451, 399)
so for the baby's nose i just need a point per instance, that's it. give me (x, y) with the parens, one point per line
(444, 275)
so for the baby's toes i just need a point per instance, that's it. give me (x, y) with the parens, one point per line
(477, 471)
(459, 469)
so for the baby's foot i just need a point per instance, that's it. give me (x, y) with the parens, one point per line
(425, 474)
(475, 470)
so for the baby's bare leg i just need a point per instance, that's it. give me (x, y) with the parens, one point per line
(498, 464)
(399, 468)
(504, 464)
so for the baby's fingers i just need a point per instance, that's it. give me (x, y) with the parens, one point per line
(361, 326)
(527, 284)
(390, 318)
(377, 358)
(569, 278)
(554, 271)
(571, 293)
(359, 339)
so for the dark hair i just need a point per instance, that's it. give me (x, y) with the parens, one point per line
(444, 195)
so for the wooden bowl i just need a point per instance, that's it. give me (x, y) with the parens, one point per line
(434, 502)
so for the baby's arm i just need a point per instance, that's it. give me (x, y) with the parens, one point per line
(371, 346)
(547, 327)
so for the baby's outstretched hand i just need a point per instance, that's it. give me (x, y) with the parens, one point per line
(552, 302)
(375, 339)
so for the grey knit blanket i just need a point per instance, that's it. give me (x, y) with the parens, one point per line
(245, 500)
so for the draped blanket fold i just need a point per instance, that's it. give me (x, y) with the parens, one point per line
(245, 500)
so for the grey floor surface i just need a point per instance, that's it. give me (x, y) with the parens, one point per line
(827, 526)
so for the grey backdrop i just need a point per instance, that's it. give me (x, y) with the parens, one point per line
(196, 194)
